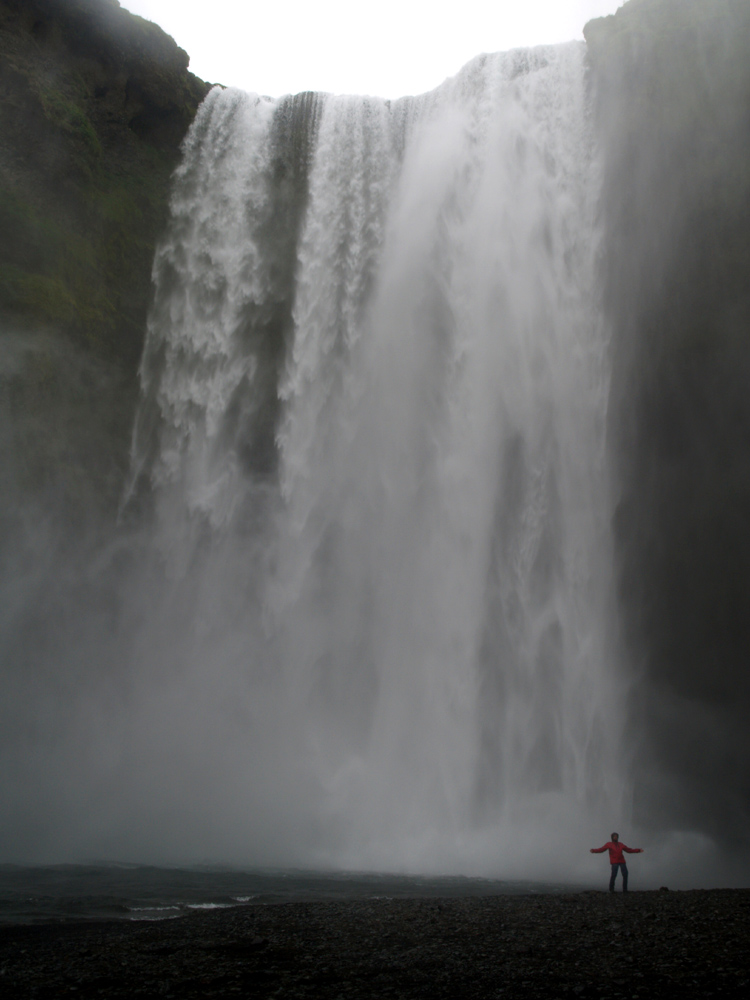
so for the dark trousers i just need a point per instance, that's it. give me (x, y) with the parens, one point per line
(624, 869)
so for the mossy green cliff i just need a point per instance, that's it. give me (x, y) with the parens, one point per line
(94, 103)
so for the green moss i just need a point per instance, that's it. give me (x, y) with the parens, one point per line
(46, 298)
(92, 281)
(117, 206)
(28, 237)
(71, 118)
(94, 106)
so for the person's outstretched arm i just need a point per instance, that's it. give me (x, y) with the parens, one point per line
(598, 850)
(632, 850)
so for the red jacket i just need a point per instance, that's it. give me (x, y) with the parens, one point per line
(615, 851)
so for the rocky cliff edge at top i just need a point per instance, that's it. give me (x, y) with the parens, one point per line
(131, 70)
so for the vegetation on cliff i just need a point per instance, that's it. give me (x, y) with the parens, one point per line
(94, 103)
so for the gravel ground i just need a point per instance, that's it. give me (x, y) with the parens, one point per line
(589, 944)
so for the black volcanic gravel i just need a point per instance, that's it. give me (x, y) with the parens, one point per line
(590, 944)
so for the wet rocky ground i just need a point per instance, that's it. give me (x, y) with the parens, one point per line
(589, 944)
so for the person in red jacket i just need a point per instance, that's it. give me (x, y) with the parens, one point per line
(616, 859)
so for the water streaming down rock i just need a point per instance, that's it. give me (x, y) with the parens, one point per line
(375, 388)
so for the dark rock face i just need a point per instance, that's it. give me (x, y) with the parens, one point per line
(673, 86)
(94, 103)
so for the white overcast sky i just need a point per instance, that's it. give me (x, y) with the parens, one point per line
(389, 48)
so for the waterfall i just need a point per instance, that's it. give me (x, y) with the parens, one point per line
(373, 424)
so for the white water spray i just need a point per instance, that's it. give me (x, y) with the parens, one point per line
(417, 613)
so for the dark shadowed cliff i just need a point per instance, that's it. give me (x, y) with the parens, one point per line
(673, 87)
(94, 103)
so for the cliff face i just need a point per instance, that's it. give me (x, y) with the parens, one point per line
(673, 87)
(94, 103)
